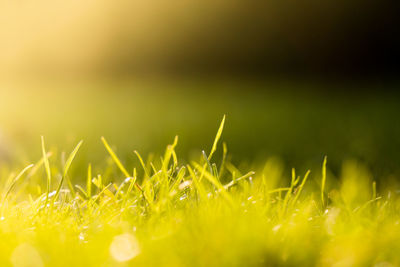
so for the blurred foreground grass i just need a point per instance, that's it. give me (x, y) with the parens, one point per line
(203, 213)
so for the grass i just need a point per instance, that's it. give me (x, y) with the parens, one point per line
(206, 212)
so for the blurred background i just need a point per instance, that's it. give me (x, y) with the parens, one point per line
(297, 80)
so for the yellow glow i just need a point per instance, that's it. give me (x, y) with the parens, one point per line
(26, 255)
(124, 247)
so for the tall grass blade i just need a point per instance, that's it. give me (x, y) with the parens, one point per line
(66, 168)
(48, 173)
(16, 180)
(301, 186)
(323, 181)
(89, 182)
(142, 163)
(217, 137)
(115, 158)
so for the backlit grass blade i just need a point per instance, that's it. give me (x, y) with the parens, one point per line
(168, 153)
(115, 158)
(130, 187)
(207, 161)
(200, 189)
(289, 193)
(224, 154)
(323, 182)
(236, 180)
(178, 180)
(301, 186)
(215, 170)
(66, 168)
(16, 180)
(89, 182)
(217, 137)
(215, 182)
(278, 190)
(82, 190)
(373, 189)
(101, 193)
(48, 173)
(38, 164)
(142, 163)
(71, 158)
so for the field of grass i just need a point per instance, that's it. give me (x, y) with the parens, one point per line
(199, 133)
(169, 211)
(121, 200)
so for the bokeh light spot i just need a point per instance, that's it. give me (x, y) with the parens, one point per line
(124, 247)
(26, 255)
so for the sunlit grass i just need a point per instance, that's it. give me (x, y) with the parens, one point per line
(202, 213)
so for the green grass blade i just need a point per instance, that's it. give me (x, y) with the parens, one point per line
(16, 180)
(323, 181)
(71, 158)
(215, 182)
(115, 158)
(373, 189)
(82, 190)
(217, 137)
(66, 168)
(224, 154)
(142, 163)
(301, 186)
(89, 182)
(236, 180)
(168, 153)
(201, 192)
(48, 173)
(278, 190)
(207, 161)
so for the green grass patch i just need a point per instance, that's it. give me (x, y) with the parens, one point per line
(205, 212)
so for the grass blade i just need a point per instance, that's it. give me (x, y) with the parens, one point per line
(217, 137)
(115, 158)
(215, 182)
(48, 173)
(66, 168)
(301, 186)
(16, 180)
(323, 182)
(142, 163)
(89, 182)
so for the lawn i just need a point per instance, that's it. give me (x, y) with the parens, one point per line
(287, 179)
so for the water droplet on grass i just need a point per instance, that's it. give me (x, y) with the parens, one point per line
(82, 237)
(184, 185)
